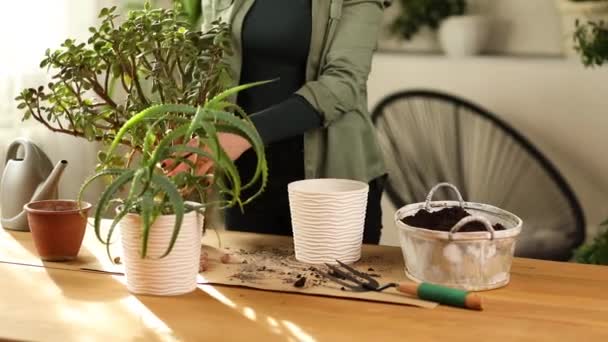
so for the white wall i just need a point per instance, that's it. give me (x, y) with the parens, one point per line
(521, 27)
(560, 106)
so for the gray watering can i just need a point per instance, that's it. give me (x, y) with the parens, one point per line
(29, 176)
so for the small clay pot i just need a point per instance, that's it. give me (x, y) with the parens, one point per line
(57, 227)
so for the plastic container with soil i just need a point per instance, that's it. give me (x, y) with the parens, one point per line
(458, 244)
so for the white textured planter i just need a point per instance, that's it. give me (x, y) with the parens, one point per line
(172, 275)
(465, 35)
(583, 11)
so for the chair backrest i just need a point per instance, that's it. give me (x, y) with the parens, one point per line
(429, 137)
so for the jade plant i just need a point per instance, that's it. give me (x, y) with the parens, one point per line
(172, 102)
(415, 14)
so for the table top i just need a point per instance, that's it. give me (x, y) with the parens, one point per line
(545, 300)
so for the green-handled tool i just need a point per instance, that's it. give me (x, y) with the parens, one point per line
(435, 293)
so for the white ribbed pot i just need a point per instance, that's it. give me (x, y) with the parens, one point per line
(583, 11)
(172, 275)
(465, 35)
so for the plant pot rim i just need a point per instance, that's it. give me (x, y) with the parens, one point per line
(31, 207)
(355, 187)
(166, 215)
(511, 230)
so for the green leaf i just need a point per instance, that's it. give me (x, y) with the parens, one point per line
(177, 203)
(232, 124)
(89, 132)
(150, 112)
(121, 214)
(149, 141)
(106, 196)
(147, 207)
(233, 91)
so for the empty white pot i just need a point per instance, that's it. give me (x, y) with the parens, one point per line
(465, 35)
(328, 217)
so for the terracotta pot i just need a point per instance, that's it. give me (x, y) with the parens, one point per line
(57, 227)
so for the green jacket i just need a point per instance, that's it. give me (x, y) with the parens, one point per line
(343, 39)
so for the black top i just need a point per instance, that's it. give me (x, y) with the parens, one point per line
(276, 40)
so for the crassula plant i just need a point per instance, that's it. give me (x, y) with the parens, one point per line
(154, 91)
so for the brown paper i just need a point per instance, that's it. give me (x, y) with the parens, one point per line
(263, 262)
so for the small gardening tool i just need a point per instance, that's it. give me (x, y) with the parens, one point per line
(436, 293)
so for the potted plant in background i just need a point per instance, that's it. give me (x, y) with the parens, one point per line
(579, 10)
(462, 34)
(175, 85)
(459, 33)
(591, 42)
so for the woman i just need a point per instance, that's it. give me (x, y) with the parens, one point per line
(313, 120)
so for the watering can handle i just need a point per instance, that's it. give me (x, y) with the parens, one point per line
(470, 219)
(11, 153)
(429, 197)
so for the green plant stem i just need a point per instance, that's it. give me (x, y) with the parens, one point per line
(97, 88)
(135, 79)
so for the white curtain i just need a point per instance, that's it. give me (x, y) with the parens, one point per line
(27, 29)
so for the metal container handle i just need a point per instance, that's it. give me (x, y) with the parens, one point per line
(469, 219)
(429, 197)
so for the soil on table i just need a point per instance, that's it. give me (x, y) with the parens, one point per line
(444, 219)
(262, 264)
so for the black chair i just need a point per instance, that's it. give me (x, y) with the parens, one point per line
(429, 137)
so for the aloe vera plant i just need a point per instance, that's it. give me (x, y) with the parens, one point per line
(175, 91)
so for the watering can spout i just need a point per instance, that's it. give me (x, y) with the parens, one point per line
(48, 189)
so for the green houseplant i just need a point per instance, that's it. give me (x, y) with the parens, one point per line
(171, 105)
(574, 11)
(460, 34)
(416, 14)
(591, 42)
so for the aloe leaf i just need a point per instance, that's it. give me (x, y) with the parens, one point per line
(91, 179)
(147, 206)
(211, 104)
(234, 125)
(117, 218)
(227, 106)
(177, 203)
(98, 210)
(150, 112)
(164, 144)
(148, 142)
(105, 198)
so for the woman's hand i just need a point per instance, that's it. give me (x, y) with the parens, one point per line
(234, 145)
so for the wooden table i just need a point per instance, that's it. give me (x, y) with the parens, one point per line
(545, 301)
